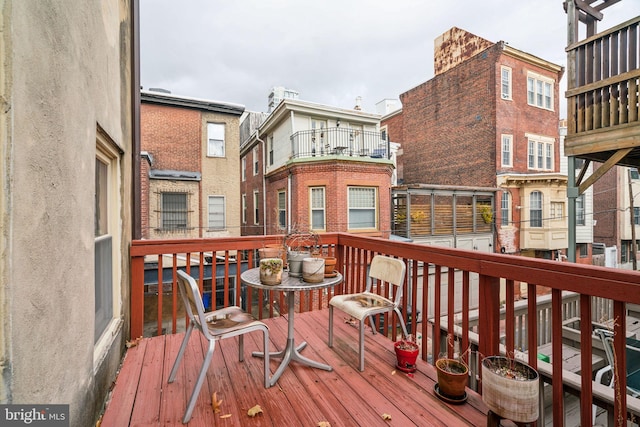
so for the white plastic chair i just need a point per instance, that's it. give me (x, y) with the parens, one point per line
(224, 323)
(633, 363)
(367, 304)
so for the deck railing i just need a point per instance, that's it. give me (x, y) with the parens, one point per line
(339, 141)
(603, 93)
(461, 282)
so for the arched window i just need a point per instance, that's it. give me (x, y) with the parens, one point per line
(535, 209)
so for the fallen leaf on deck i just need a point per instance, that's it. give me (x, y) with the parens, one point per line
(215, 403)
(393, 372)
(134, 342)
(386, 417)
(254, 411)
(225, 416)
(323, 424)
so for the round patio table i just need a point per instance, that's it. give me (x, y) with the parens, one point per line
(289, 285)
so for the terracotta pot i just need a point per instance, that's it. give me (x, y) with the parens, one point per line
(452, 378)
(406, 358)
(515, 399)
(329, 264)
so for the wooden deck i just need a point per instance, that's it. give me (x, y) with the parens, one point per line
(302, 397)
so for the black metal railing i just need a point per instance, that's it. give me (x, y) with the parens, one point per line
(339, 142)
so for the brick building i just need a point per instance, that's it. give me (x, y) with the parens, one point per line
(314, 167)
(613, 219)
(489, 119)
(190, 177)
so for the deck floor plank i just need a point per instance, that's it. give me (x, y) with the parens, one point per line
(416, 402)
(303, 395)
(124, 392)
(381, 359)
(174, 396)
(150, 388)
(373, 404)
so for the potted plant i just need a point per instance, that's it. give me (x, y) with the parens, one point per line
(329, 266)
(510, 388)
(313, 269)
(299, 244)
(407, 351)
(271, 271)
(453, 375)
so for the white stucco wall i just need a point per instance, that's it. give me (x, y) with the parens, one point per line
(67, 72)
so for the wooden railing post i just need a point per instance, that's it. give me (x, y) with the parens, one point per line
(489, 316)
(137, 297)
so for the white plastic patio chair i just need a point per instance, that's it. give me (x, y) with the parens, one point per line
(633, 363)
(215, 325)
(367, 304)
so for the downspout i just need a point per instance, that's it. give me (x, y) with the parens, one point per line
(136, 220)
(264, 183)
(289, 178)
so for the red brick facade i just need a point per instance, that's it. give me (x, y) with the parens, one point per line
(606, 190)
(336, 178)
(169, 133)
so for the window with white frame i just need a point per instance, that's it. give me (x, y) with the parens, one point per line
(282, 209)
(362, 207)
(505, 82)
(271, 151)
(633, 172)
(317, 198)
(540, 91)
(540, 153)
(217, 220)
(504, 207)
(244, 169)
(215, 140)
(107, 202)
(256, 207)
(636, 215)
(244, 208)
(557, 210)
(535, 209)
(507, 150)
(256, 164)
(174, 213)
(580, 217)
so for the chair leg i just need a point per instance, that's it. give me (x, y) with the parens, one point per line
(373, 325)
(265, 334)
(201, 376)
(330, 326)
(241, 348)
(361, 345)
(183, 347)
(404, 326)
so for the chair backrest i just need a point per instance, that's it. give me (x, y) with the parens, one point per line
(390, 270)
(192, 300)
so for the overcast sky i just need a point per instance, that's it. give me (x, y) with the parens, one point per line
(332, 51)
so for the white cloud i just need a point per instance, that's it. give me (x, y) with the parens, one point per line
(330, 51)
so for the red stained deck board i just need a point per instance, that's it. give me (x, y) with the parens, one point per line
(302, 396)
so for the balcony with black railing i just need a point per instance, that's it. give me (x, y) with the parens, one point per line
(339, 142)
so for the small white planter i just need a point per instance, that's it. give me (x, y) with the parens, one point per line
(295, 259)
(313, 270)
(271, 271)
